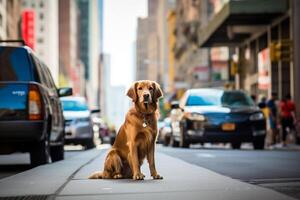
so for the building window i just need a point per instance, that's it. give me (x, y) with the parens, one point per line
(40, 40)
(42, 4)
(41, 16)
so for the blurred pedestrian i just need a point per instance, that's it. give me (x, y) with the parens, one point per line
(272, 105)
(287, 116)
(263, 107)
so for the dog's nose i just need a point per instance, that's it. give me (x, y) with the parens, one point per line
(146, 96)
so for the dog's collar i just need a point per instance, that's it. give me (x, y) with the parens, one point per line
(145, 123)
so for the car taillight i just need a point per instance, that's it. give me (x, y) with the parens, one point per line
(35, 106)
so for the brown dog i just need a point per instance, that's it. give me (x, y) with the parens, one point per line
(137, 136)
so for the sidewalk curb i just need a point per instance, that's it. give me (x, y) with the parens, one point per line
(182, 180)
(46, 179)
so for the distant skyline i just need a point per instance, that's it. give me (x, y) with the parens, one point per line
(120, 25)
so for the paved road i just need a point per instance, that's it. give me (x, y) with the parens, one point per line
(278, 170)
(68, 180)
(19, 162)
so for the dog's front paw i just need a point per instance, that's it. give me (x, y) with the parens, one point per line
(157, 176)
(138, 176)
(117, 176)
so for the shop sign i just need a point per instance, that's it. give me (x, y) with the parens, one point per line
(264, 65)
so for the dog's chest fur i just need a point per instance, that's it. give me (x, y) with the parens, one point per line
(145, 139)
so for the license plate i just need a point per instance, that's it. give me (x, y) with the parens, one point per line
(228, 127)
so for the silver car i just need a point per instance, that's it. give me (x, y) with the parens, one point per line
(78, 122)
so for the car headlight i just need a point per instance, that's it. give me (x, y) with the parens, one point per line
(256, 116)
(194, 116)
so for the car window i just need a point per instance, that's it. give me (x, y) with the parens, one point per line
(72, 105)
(49, 77)
(236, 99)
(14, 64)
(39, 68)
(219, 98)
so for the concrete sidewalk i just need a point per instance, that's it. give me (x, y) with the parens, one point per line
(68, 180)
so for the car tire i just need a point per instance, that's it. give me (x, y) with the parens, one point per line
(57, 153)
(166, 141)
(40, 153)
(236, 145)
(89, 144)
(182, 142)
(259, 143)
(173, 142)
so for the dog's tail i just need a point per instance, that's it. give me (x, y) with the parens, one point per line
(96, 175)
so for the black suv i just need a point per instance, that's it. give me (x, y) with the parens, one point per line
(31, 118)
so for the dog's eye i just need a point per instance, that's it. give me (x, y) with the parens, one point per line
(140, 88)
(151, 88)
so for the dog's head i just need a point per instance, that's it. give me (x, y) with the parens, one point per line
(145, 93)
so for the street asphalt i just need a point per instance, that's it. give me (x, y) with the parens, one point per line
(182, 180)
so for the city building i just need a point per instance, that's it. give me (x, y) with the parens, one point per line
(192, 67)
(263, 37)
(13, 9)
(68, 46)
(90, 42)
(45, 31)
(105, 84)
(152, 43)
(162, 31)
(10, 19)
(3, 21)
(142, 49)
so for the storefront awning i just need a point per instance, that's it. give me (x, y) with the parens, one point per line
(238, 20)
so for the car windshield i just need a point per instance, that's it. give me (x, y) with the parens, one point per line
(219, 98)
(72, 105)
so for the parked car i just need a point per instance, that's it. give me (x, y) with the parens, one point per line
(216, 115)
(78, 121)
(31, 118)
(165, 132)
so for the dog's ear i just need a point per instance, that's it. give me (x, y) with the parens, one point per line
(132, 92)
(157, 91)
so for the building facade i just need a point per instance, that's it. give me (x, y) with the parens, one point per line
(142, 49)
(68, 45)
(263, 41)
(90, 22)
(46, 32)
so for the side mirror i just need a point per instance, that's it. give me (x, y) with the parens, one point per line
(95, 111)
(65, 91)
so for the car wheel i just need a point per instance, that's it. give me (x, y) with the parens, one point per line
(166, 141)
(259, 143)
(40, 153)
(173, 142)
(90, 144)
(57, 153)
(183, 143)
(236, 145)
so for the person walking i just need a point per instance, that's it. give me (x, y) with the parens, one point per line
(272, 105)
(287, 116)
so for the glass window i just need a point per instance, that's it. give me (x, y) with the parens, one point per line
(14, 64)
(41, 73)
(72, 105)
(219, 98)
